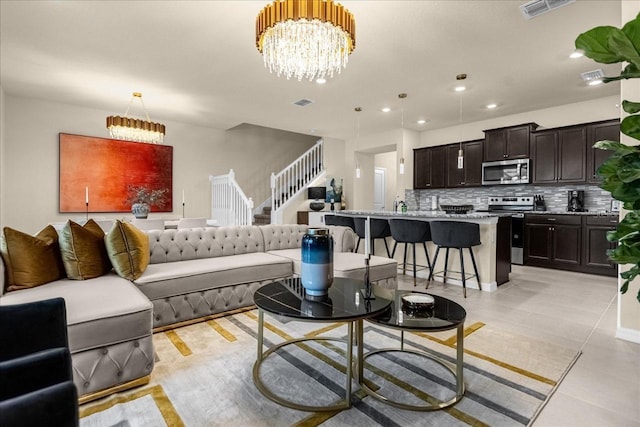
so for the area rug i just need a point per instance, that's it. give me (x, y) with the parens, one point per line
(203, 377)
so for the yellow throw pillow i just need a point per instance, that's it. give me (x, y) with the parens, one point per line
(128, 249)
(83, 251)
(31, 260)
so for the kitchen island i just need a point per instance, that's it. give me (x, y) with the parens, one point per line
(493, 256)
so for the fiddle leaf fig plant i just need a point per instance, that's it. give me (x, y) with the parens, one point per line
(620, 173)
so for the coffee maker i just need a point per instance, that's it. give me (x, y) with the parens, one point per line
(575, 201)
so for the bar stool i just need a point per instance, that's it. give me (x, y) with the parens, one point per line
(345, 221)
(379, 230)
(409, 231)
(455, 235)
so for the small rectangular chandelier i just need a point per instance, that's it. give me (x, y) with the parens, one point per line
(129, 129)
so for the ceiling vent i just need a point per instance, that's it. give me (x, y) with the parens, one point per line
(592, 75)
(303, 102)
(538, 7)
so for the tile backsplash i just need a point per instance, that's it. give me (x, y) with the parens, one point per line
(596, 199)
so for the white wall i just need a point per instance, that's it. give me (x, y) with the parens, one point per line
(259, 151)
(29, 163)
(363, 151)
(388, 161)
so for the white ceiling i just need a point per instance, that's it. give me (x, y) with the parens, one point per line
(196, 62)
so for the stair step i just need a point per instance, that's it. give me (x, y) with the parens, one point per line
(263, 218)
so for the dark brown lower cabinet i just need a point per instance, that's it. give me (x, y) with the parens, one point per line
(569, 242)
(553, 240)
(596, 244)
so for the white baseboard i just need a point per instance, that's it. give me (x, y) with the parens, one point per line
(628, 335)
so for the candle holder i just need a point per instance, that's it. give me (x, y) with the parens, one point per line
(367, 293)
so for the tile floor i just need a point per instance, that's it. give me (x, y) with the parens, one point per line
(575, 310)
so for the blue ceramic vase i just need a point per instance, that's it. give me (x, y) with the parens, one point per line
(317, 261)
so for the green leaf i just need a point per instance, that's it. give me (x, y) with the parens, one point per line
(631, 107)
(629, 168)
(625, 287)
(620, 43)
(625, 254)
(630, 126)
(595, 45)
(631, 273)
(632, 31)
(619, 147)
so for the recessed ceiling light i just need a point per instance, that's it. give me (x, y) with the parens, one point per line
(386, 109)
(460, 88)
(421, 121)
(595, 82)
(321, 81)
(576, 54)
(491, 106)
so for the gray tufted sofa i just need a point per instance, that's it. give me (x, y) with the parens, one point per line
(193, 273)
(184, 283)
(109, 328)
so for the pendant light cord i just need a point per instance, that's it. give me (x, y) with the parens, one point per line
(460, 124)
(144, 108)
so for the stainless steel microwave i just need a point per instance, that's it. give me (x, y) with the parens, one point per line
(506, 172)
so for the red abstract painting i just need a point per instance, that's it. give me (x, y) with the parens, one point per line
(101, 170)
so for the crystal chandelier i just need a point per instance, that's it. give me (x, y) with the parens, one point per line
(137, 130)
(309, 39)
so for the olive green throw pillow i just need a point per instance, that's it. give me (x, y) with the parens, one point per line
(83, 251)
(128, 249)
(30, 260)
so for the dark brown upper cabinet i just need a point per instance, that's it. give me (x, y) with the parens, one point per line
(559, 155)
(609, 130)
(429, 167)
(508, 143)
(471, 173)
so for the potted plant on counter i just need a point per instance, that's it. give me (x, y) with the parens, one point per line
(621, 172)
(141, 198)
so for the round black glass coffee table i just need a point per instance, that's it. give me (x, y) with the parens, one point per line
(445, 315)
(345, 303)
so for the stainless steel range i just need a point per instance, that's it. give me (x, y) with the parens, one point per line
(516, 206)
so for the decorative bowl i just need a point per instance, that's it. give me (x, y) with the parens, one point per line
(417, 303)
(456, 209)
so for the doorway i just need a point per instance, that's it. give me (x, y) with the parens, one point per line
(379, 191)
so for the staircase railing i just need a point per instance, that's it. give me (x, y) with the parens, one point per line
(229, 205)
(295, 177)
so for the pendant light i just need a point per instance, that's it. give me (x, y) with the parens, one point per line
(137, 130)
(402, 96)
(460, 151)
(357, 110)
(460, 77)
